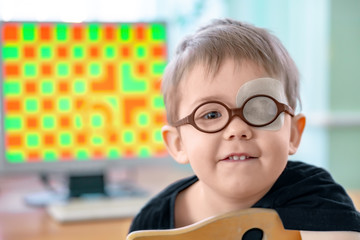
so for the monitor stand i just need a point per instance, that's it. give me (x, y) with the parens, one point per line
(85, 186)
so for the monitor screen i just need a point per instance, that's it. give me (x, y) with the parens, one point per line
(77, 96)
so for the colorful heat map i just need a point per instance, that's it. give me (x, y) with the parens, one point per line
(79, 92)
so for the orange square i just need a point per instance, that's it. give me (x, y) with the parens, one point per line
(94, 52)
(77, 33)
(62, 52)
(49, 139)
(11, 70)
(29, 52)
(30, 87)
(31, 122)
(11, 32)
(63, 87)
(79, 69)
(48, 104)
(64, 122)
(14, 140)
(12, 105)
(46, 69)
(45, 32)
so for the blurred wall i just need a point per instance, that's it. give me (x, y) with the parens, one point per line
(344, 130)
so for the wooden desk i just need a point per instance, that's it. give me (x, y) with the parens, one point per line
(20, 222)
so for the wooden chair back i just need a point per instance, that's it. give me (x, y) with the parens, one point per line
(249, 224)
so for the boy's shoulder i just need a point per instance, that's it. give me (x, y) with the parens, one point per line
(158, 213)
(306, 197)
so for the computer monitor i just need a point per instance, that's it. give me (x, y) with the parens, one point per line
(80, 97)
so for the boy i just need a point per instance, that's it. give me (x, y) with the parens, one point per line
(230, 94)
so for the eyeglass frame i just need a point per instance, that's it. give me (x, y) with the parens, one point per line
(281, 107)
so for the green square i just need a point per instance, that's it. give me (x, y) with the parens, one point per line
(140, 51)
(95, 69)
(158, 32)
(32, 140)
(78, 52)
(143, 119)
(78, 122)
(63, 69)
(109, 52)
(48, 122)
(97, 140)
(113, 153)
(13, 123)
(158, 102)
(128, 136)
(45, 52)
(94, 32)
(158, 135)
(29, 32)
(79, 86)
(15, 157)
(10, 52)
(47, 87)
(125, 31)
(64, 104)
(97, 120)
(61, 32)
(31, 105)
(144, 152)
(65, 139)
(82, 155)
(12, 88)
(50, 156)
(29, 70)
(158, 68)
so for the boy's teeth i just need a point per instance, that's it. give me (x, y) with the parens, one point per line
(237, 158)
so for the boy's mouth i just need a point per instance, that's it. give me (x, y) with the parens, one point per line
(237, 157)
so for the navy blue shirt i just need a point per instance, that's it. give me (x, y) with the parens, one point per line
(305, 197)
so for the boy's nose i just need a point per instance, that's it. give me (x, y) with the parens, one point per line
(238, 129)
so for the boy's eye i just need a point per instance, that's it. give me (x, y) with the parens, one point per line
(212, 115)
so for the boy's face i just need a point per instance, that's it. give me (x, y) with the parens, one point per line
(214, 157)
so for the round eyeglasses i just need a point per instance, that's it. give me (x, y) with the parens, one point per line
(214, 116)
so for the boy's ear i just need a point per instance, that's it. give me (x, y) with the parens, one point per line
(172, 139)
(297, 128)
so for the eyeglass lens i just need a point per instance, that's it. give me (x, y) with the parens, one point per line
(257, 111)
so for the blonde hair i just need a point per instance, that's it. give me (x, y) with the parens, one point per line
(221, 39)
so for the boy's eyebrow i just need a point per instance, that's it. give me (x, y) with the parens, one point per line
(201, 100)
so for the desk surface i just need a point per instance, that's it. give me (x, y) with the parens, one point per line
(18, 222)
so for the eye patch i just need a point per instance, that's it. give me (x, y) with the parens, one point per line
(265, 86)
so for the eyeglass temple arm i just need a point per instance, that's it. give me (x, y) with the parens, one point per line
(185, 120)
(289, 110)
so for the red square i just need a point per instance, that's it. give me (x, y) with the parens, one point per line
(109, 32)
(29, 52)
(63, 87)
(45, 32)
(94, 51)
(49, 139)
(31, 122)
(12, 105)
(62, 52)
(64, 122)
(12, 70)
(46, 69)
(30, 87)
(11, 32)
(77, 33)
(48, 104)
(14, 140)
(79, 69)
